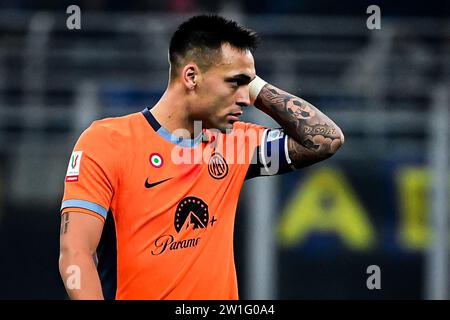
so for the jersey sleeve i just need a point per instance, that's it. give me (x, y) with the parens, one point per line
(271, 155)
(92, 173)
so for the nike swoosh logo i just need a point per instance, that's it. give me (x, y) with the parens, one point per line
(151, 185)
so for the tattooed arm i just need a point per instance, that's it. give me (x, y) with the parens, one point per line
(79, 237)
(313, 136)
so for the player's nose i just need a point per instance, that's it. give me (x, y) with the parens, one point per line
(243, 98)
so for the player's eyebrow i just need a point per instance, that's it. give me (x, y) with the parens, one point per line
(241, 78)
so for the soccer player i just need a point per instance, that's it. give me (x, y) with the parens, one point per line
(150, 199)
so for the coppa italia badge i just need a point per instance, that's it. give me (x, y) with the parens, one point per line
(191, 213)
(73, 170)
(156, 160)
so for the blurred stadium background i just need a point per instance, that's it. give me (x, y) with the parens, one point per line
(307, 235)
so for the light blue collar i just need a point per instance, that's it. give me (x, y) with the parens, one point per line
(184, 142)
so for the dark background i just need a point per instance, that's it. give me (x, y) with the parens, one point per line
(321, 266)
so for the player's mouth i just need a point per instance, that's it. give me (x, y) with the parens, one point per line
(234, 116)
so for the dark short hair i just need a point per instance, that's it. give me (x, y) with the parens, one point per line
(201, 37)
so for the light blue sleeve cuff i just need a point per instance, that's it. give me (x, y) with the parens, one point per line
(73, 203)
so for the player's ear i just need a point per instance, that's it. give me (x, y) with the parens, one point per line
(190, 74)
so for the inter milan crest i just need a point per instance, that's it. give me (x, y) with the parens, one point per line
(217, 166)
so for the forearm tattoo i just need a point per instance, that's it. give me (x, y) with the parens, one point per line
(64, 223)
(303, 122)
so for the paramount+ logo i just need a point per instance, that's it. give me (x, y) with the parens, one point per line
(191, 214)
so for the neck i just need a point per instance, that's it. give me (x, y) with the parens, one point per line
(171, 111)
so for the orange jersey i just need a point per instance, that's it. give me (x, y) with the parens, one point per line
(169, 206)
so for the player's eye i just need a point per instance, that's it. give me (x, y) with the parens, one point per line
(234, 83)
